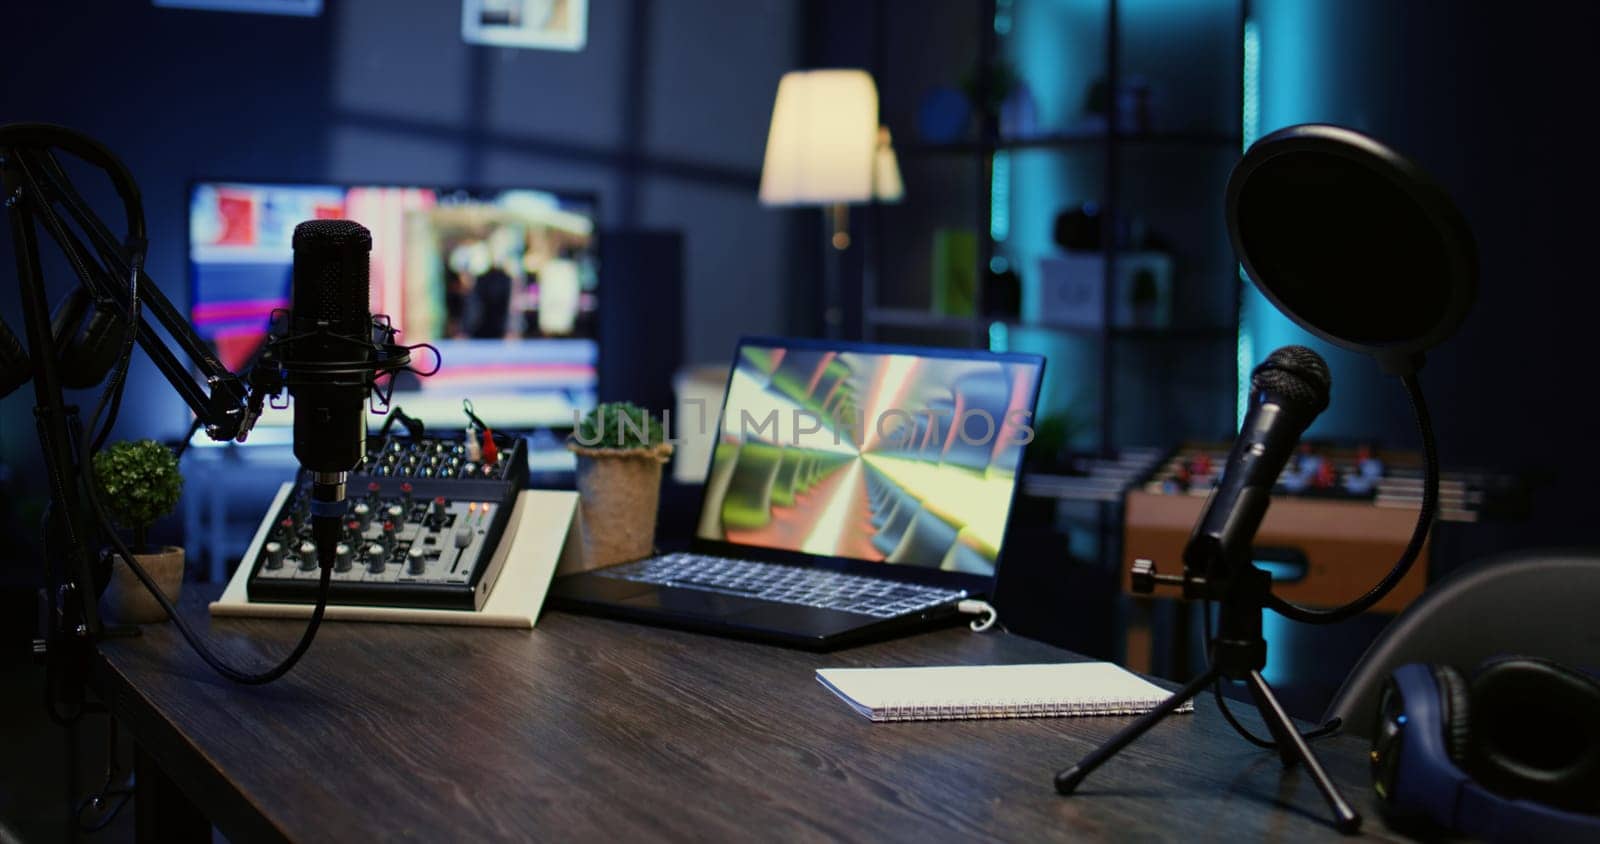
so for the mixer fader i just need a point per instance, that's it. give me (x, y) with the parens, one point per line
(422, 523)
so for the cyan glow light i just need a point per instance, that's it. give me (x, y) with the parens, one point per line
(1002, 17)
(1249, 130)
(1250, 113)
(1245, 355)
(1000, 197)
(999, 337)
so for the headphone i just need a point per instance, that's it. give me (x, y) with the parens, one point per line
(1514, 753)
(88, 338)
(87, 332)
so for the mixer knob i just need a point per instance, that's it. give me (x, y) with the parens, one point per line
(372, 491)
(436, 511)
(275, 553)
(463, 536)
(416, 560)
(388, 536)
(363, 514)
(308, 555)
(395, 513)
(343, 557)
(405, 493)
(377, 558)
(285, 530)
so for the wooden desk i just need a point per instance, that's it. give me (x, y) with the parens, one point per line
(589, 729)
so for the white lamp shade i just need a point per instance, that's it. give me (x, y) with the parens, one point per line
(887, 185)
(823, 139)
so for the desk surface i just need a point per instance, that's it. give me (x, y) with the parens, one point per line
(589, 728)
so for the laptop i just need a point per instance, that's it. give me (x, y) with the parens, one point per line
(855, 492)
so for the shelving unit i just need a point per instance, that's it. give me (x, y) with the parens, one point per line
(1112, 144)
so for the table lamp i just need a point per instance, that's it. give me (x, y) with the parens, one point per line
(826, 149)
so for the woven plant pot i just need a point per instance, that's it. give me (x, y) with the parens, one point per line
(127, 600)
(619, 490)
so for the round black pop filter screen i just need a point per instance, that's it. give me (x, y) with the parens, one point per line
(1352, 241)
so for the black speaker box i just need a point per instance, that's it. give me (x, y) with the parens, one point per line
(641, 315)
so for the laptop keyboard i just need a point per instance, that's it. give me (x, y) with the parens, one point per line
(877, 597)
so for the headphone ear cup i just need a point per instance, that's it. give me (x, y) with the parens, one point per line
(15, 366)
(86, 339)
(1537, 734)
(1455, 699)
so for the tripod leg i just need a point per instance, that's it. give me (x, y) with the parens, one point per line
(1290, 744)
(1068, 780)
(1262, 694)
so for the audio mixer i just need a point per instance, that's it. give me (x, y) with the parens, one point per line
(422, 521)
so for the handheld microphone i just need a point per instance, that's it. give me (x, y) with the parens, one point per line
(331, 362)
(1288, 390)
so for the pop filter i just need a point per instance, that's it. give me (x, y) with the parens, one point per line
(1353, 242)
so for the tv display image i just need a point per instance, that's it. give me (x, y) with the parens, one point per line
(896, 458)
(504, 283)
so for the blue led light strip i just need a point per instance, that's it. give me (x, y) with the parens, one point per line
(1250, 128)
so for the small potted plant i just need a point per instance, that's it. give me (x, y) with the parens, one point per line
(139, 483)
(621, 449)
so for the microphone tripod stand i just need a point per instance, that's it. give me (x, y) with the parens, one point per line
(1238, 652)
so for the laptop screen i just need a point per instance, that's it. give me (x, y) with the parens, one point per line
(883, 454)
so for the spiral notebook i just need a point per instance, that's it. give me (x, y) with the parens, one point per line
(994, 691)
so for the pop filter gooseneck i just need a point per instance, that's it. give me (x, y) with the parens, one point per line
(1355, 244)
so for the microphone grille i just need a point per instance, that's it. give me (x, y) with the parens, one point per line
(332, 273)
(1294, 375)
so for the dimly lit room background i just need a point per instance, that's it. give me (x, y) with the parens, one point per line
(663, 116)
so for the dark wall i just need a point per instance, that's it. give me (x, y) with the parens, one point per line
(663, 114)
(1488, 98)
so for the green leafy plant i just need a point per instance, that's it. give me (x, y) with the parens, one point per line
(619, 425)
(139, 483)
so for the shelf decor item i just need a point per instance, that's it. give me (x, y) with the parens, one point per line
(955, 263)
(537, 24)
(1072, 289)
(621, 450)
(140, 483)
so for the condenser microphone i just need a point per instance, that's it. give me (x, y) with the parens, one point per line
(1287, 391)
(330, 363)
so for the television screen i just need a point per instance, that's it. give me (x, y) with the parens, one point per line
(504, 283)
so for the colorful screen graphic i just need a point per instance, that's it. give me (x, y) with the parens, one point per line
(504, 284)
(896, 458)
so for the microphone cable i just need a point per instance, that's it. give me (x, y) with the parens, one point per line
(248, 678)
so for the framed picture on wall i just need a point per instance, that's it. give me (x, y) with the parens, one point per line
(299, 8)
(537, 24)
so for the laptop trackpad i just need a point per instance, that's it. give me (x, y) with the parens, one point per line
(688, 602)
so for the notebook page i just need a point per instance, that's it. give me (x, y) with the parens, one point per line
(873, 689)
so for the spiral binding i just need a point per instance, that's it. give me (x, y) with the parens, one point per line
(1037, 708)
